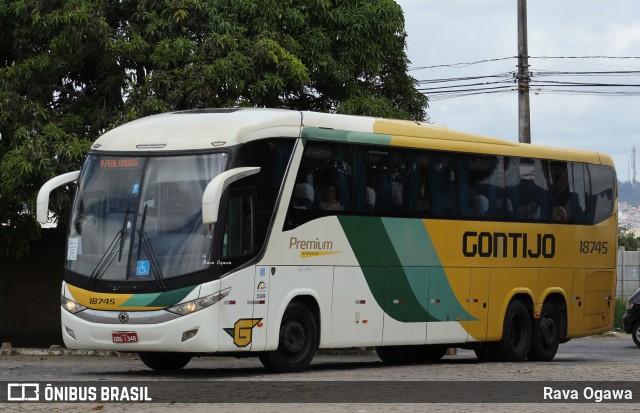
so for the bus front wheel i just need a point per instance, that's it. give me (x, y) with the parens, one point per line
(298, 341)
(165, 361)
(546, 334)
(516, 334)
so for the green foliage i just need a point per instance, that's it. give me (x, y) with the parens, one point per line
(71, 69)
(620, 308)
(628, 239)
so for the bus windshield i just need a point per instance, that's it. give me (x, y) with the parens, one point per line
(140, 218)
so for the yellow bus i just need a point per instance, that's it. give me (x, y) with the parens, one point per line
(274, 233)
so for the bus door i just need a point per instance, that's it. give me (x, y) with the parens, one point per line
(236, 319)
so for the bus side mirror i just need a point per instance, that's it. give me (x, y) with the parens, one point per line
(214, 190)
(42, 204)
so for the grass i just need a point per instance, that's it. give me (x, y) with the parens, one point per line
(620, 308)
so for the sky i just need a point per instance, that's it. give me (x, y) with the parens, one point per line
(446, 32)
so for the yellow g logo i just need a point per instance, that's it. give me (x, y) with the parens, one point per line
(242, 331)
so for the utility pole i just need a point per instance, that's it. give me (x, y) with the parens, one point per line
(524, 117)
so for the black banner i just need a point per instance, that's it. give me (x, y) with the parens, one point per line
(188, 391)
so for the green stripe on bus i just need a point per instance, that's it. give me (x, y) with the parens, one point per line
(345, 136)
(414, 247)
(169, 298)
(378, 260)
(411, 242)
(140, 300)
(165, 299)
(402, 269)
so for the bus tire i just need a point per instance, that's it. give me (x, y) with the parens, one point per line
(433, 352)
(516, 334)
(411, 354)
(388, 354)
(297, 343)
(483, 352)
(546, 334)
(164, 360)
(635, 334)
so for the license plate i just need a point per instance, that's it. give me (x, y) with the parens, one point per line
(124, 337)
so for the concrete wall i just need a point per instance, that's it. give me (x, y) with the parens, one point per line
(30, 294)
(628, 280)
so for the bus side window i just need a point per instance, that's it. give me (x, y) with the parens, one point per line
(481, 186)
(379, 180)
(601, 192)
(568, 192)
(527, 189)
(442, 185)
(238, 238)
(419, 202)
(323, 183)
(577, 188)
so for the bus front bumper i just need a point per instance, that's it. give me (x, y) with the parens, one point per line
(193, 333)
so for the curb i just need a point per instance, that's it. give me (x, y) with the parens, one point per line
(56, 351)
(355, 351)
(60, 351)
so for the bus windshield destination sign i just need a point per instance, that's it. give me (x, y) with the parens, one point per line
(120, 163)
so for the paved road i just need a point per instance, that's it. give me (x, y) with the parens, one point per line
(588, 359)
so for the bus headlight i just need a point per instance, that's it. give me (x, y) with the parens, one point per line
(200, 303)
(71, 306)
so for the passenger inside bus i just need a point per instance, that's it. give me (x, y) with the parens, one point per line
(328, 201)
(533, 211)
(480, 204)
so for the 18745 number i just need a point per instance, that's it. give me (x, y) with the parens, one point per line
(593, 247)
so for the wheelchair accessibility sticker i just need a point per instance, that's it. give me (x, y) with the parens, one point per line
(143, 267)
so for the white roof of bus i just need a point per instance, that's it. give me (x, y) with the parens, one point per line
(200, 129)
(209, 128)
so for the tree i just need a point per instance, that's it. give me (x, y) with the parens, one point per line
(628, 239)
(71, 69)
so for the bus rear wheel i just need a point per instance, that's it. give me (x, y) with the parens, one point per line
(483, 352)
(516, 334)
(165, 360)
(298, 341)
(411, 354)
(546, 334)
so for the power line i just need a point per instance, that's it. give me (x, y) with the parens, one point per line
(463, 64)
(453, 79)
(467, 64)
(543, 81)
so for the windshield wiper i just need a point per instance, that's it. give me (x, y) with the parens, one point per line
(110, 254)
(153, 260)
